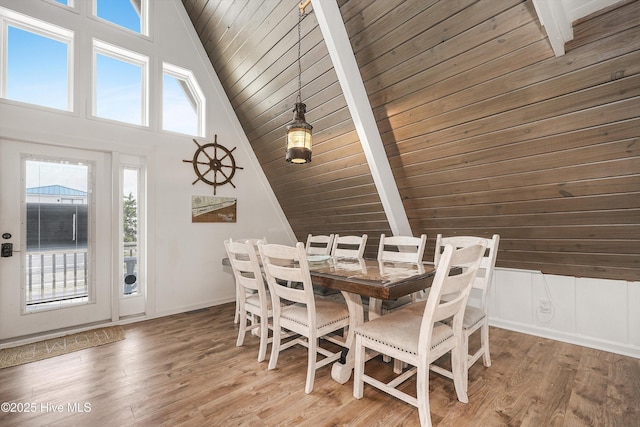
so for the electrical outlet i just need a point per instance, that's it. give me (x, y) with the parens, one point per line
(544, 306)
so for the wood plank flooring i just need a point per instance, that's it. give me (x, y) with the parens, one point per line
(186, 370)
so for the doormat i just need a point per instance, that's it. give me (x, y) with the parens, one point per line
(56, 346)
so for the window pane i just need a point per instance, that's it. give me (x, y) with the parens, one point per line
(57, 229)
(125, 13)
(130, 230)
(37, 69)
(118, 90)
(179, 110)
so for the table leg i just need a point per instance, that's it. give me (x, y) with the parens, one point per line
(375, 308)
(341, 372)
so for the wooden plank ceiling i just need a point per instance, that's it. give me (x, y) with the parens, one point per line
(485, 129)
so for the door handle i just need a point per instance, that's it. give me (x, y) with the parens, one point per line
(7, 250)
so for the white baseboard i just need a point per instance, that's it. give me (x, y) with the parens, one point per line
(612, 347)
(13, 342)
(185, 309)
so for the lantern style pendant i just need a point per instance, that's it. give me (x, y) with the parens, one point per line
(299, 131)
(299, 136)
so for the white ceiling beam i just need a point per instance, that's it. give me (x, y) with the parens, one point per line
(553, 18)
(344, 62)
(557, 17)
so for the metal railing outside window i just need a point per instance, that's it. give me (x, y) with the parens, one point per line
(56, 275)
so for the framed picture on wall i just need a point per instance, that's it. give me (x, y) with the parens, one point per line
(213, 209)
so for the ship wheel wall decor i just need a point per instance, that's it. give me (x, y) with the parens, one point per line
(214, 164)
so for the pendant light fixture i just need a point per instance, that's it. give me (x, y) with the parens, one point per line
(299, 131)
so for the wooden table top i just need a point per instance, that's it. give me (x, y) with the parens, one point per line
(372, 278)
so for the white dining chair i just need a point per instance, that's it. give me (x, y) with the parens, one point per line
(296, 309)
(254, 243)
(251, 294)
(408, 249)
(319, 244)
(475, 317)
(349, 246)
(419, 339)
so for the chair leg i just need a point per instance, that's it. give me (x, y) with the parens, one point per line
(264, 336)
(275, 346)
(484, 341)
(236, 318)
(398, 366)
(358, 369)
(242, 329)
(422, 393)
(464, 355)
(459, 371)
(311, 364)
(254, 330)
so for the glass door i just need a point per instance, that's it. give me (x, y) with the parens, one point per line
(56, 215)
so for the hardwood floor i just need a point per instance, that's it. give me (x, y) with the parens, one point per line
(186, 370)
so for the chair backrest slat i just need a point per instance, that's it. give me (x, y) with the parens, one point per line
(402, 248)
(319, 244)
(349, 246)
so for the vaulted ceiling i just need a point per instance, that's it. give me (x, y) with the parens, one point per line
(485, 129)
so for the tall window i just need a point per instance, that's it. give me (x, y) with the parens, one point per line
(120, 84)
(30, 43)
(130, 14)
(183, 103)
(130, 226)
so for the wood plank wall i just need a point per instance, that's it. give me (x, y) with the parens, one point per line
(253, 47)
(485, 129)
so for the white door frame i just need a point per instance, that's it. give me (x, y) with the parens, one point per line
(14, 322)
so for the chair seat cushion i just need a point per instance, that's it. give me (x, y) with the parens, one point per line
(401, 330)
(416, 308)
(254, 300)
(472, 315)
(327, 312)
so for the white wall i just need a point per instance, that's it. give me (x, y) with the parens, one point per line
(184, 258)
(597, 313)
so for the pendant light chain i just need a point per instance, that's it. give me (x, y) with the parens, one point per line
(299, 62)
